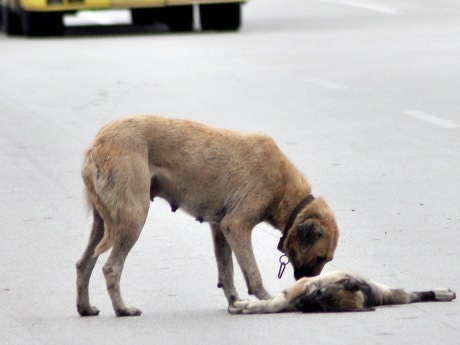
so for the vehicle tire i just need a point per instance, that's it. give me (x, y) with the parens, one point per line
(225, 17)
(41, 23)
(147, 16)
(179, 18)
(11, 21)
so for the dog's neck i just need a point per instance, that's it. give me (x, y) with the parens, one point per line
(290, 222)
(287, 205)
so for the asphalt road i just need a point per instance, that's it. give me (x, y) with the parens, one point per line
(361, 94)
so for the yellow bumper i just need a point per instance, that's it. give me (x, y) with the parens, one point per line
(75, 5)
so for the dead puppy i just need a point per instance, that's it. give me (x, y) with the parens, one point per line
(337, 292)
(231, 180)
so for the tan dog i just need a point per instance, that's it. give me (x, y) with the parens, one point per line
(334, 292)
(229, 179)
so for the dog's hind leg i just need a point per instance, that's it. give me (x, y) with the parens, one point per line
(128, 231)
(85, 267)
(224, 260)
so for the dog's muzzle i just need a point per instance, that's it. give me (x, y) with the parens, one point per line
(308, 271)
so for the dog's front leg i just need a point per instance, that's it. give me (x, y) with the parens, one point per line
(224, 260)
(238, 235)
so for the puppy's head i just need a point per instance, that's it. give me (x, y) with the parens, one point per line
(312, 240)
(344, 295)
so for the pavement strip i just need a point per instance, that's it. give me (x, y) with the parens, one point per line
(434, 120)
(366, 5)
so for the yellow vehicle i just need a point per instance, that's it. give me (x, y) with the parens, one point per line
(45, 17)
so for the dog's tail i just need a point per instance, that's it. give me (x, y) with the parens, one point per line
(95, 182)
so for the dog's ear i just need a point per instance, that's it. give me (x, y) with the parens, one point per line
(309, 232)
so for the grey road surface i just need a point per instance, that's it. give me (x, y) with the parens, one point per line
(363, 96)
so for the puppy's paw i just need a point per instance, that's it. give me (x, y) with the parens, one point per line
(444, 295)
(255, 306)
(237, 306)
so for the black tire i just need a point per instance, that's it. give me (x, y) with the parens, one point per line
(11, 21)
(41, 23)
(224, 17)
(179, 18)
(147, 16)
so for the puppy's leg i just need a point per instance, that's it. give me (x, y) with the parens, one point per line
(224, 260)
(238, 235)
(440, 295)
(284, 302)
(400, 296)
(85, 267)
(277, 304)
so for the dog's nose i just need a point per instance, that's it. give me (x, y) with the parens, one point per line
(298, 275)
(310, 271)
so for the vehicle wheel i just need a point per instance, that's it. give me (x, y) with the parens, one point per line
(147, 16)
(180, 18)
(11, 21)
(220, 16)
(41, 23)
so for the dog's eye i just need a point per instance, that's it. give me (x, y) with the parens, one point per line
(320, 259)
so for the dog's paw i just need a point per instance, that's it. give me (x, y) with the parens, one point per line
(128, 312)
(87, 311)
(444, 295)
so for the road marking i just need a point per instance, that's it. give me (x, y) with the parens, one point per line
(434, 120)
(324, 83)
(366, 5)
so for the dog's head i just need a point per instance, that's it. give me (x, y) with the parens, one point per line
(312, 239)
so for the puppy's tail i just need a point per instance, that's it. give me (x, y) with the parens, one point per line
(95, 182)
